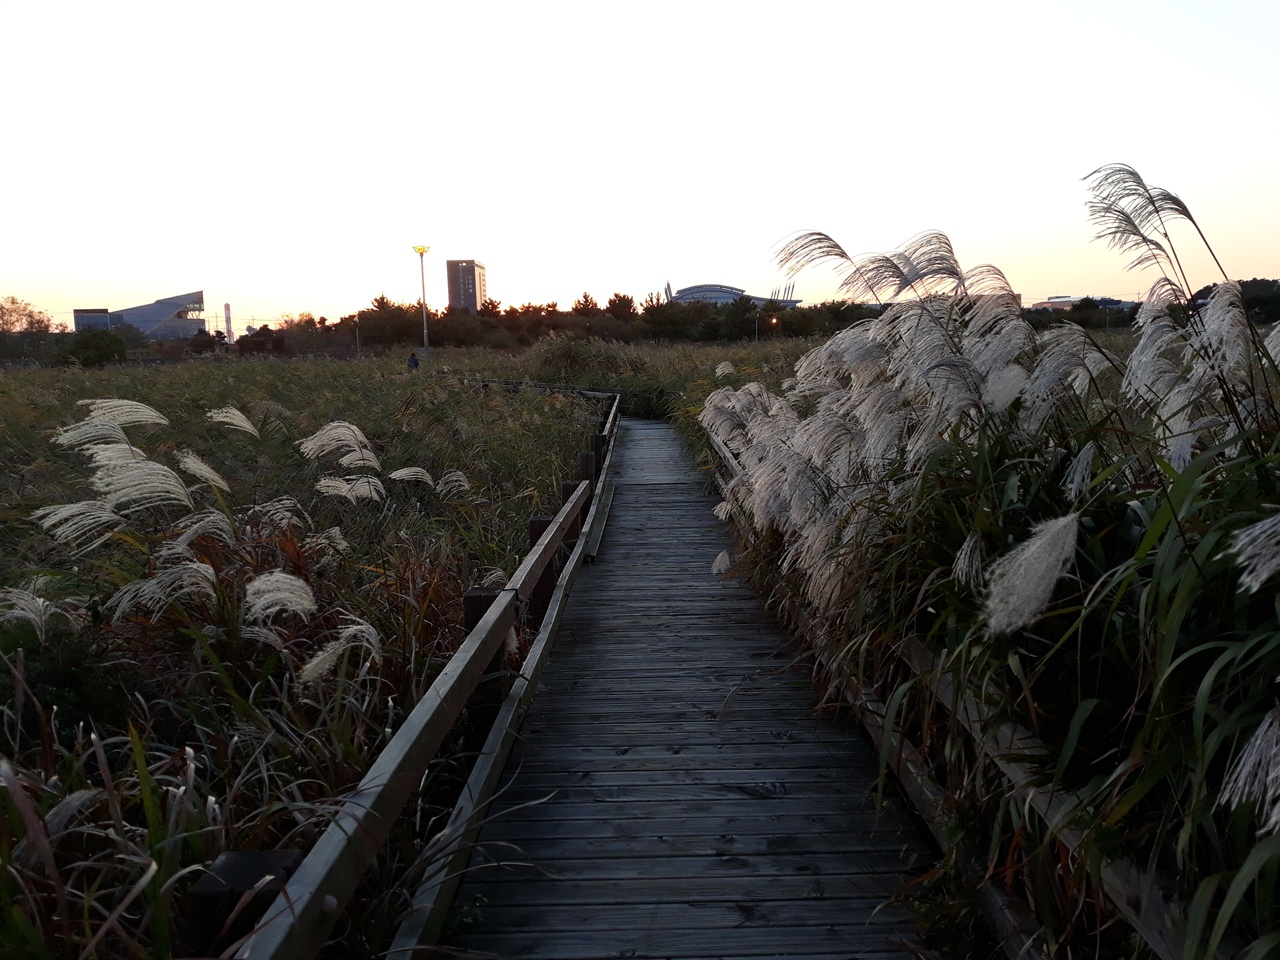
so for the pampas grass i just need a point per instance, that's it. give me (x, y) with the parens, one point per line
(277, 592)
(1021, 582)
(1122, 613)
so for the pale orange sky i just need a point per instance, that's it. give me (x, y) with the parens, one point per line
(286, 157)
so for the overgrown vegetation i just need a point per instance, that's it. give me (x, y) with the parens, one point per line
(1087, 545)
(217, 606)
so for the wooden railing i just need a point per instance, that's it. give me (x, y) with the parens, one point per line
(298, 921)
(1142, 896)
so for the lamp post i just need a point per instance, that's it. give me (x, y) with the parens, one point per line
(422, 273)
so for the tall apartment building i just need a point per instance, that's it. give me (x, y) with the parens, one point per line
(466, 284)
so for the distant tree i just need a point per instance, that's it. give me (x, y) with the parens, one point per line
(94, 348)
(622, 307)
(133, 337)
(586, 306)
(490, 308)
(304, 321)
(202, 342)
(1261, 300)
(18, 316)
(1084, 305)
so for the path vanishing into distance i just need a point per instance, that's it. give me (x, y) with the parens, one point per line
(672, 792)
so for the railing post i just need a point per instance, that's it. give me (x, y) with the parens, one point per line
(540, 597)
(492, 690)
(574, 530)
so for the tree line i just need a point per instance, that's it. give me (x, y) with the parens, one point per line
(386, 322)
(28, 334)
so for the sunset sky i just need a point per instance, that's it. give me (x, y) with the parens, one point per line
(287, 156)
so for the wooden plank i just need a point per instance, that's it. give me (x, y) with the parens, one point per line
(638, 940)
(679, 890)
(707, 915)
(589, 822)
(671, 780)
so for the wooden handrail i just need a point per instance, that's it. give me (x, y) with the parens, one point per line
(434, 896)
(297, 922)
(526, 576)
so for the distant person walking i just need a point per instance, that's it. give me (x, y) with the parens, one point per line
(413, 361)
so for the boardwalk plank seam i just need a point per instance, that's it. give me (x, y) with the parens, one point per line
(622, 827)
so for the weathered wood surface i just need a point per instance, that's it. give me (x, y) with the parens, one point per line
(672, 793)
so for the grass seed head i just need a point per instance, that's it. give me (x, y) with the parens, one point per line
(1021, 582)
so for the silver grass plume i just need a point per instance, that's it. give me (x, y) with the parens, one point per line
(327, 541)
(189, 462)
(101, 454)
(131, 486)
(363, 459)
(452, 483)
(357, 631)
(493, 577)
(282, 513)
(360, 487)
(167, 586)
(262, 633)
(994, 334)
(1257, 551)
(725, 369)
(324, 549)
(91, 431)
(1134, 217)
(25, 606)
(1003, 387)
(1021, 582)
(233, 418)
(1273, 342)
(336, 437)
(967, 566)
(1255, 775)
(1221, 344)
(278, 592)
(211, 523)
(1069, 360)
(270, 410)
(319, 666)
(123, 413)
(412, 473)
(83, 525)
(1080, 473)
(721, 564)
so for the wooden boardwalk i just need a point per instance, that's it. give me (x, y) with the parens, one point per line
(672, 793)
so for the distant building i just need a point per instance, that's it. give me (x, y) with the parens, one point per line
(167, 319)
(94, 318)
(1066, 303)
(1057, 303)
(719, 293)
(467, 289)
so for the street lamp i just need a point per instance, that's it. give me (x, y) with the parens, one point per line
(422, 273)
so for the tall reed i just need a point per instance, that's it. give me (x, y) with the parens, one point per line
(214, 619)
(1087, 542)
